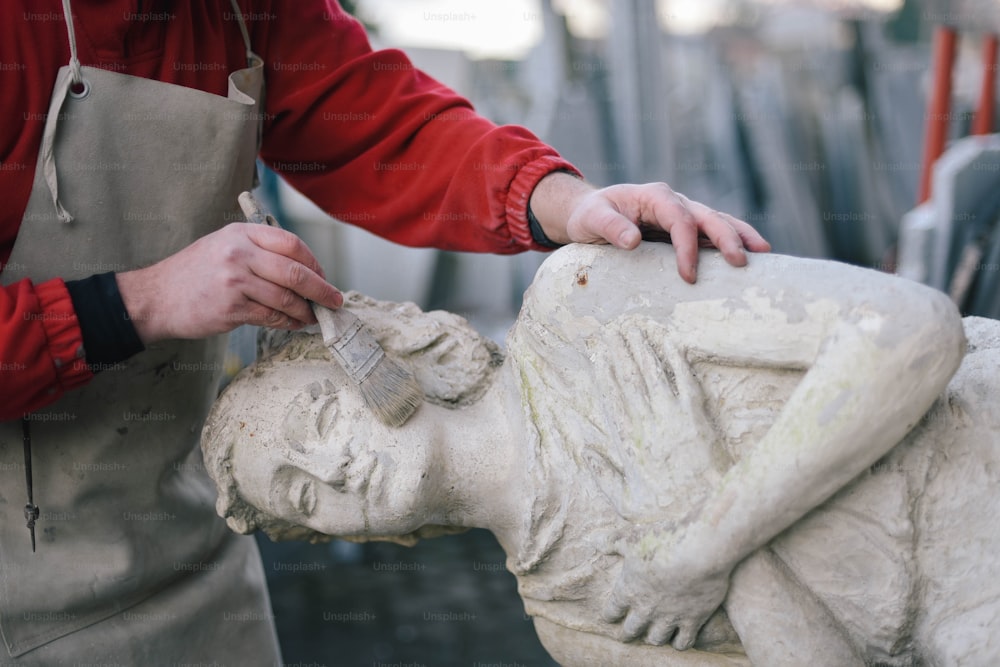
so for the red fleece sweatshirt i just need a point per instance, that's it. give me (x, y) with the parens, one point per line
(342, 123)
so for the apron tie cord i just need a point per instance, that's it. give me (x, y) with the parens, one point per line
(74, 61)
(47, 153)
(243, 29)
(252, 60)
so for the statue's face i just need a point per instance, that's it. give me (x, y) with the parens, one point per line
(331, 466)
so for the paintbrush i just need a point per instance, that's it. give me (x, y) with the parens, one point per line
(390, 390)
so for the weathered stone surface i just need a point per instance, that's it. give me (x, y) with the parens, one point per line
(772, 460)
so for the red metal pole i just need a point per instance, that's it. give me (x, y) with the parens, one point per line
(939, 106)
(983, 123)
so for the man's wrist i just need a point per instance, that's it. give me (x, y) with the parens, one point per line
(550, 205)
(538, 234)
(138, 294)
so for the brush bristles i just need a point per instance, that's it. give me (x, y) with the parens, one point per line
(391, 392)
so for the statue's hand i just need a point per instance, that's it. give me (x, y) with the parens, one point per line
(662, 599)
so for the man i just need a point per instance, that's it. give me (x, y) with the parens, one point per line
(134, 127)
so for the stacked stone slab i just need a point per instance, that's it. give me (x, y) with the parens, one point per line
(951, 242)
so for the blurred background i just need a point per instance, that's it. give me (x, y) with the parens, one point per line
(817, 122)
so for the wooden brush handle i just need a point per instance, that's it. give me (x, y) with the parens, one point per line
(254, 212)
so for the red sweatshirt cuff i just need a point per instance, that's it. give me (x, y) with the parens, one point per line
(65, 340)
(520, 192)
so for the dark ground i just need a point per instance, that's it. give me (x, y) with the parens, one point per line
(447, 602)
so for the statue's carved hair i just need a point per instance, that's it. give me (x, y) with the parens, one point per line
(453, 364)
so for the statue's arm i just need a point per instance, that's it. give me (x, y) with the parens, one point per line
(878, 366)
(876, 354)
(780, 622)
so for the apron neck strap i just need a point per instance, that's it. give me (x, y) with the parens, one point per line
(74, 61)
(47, 155)
(251, 56)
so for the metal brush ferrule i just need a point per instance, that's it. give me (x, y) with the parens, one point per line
(345, 335)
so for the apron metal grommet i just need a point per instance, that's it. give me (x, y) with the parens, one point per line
(79, 90)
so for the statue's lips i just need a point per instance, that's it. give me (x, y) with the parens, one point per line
(306, 500)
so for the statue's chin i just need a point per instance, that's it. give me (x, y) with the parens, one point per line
(280, 530)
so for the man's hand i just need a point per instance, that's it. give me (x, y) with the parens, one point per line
(240, 274)
(571, 210)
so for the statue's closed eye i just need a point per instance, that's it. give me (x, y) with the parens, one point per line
(302, 494)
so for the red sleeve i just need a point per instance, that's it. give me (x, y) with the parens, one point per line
(41, 348)
(379, 144)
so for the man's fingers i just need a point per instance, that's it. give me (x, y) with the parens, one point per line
(608, 225)
(622, 215)
(684, 238)
(283, 242)
(288, 274)
(274, 297)
(240, 274)
(258, 314)
(297, 270)
(720, 231)
(672, 212)
(751, 237)
(623, 233)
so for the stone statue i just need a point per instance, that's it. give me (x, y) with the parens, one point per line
(768, 467)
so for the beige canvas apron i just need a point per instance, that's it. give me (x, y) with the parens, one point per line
(131, 557)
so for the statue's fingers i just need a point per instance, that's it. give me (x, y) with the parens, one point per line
(686, 634)
(660, 632)
(635, 625)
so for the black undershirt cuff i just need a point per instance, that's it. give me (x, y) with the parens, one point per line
(108, 333)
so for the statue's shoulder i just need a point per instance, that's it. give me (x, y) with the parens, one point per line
(581, 265)
(651, 269)
(976, 383)
(982, 334)
(571, 260)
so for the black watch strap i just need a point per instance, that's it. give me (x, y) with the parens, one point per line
(537, 235)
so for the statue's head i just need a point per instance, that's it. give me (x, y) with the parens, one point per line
(295, 452)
